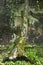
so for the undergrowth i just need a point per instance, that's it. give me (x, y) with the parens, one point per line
(32, 54)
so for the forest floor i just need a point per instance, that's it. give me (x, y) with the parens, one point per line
(34, 53)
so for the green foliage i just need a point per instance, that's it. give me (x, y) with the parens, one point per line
(9, 63)
(1, 63)
(40, 51)
(17, 63)
(31, 54)
(11, 46)
(2, 48)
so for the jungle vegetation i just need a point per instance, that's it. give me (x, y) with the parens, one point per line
(21, 32)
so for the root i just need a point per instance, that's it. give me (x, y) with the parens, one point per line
(21, 58)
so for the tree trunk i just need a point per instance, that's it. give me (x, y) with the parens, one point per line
(19, 50)
(25, 19)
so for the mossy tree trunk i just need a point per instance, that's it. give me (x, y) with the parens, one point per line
(20, 44)
(25, 19)
(19, 48)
